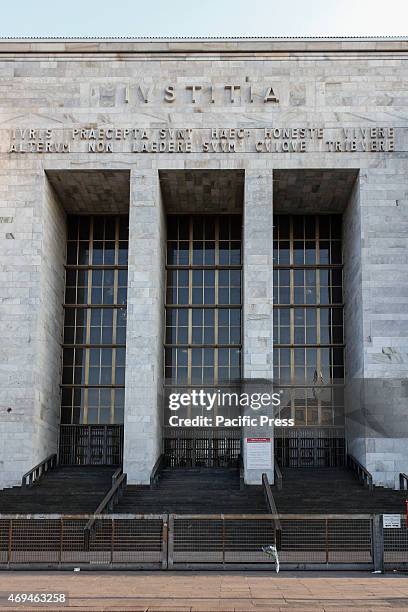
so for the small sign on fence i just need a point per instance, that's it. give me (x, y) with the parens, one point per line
(392, 521)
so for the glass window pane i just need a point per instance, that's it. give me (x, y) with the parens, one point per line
(183, 227)
(182, 296)
(180, 278)
(235, 254)
(336, 227)
(298, 252)
(70, 296)
(120, 376)
(284, 253)
(336, 253)
(235, 296)
(235, 227)
(235, 335)
(83, 253)
(310, 229)
(324, 227)
(283, 225)
(109, 253)
(110, 228)
(223, 296)
(183, 253)
(298, 227)
(209, 254)
(106, 376)
(235, 278)
(72, 227)
(284, 337)
(198, 253)
(324, 252)
(199, 286)
(121, 296)
(182, 357)
(310, 253)
(224, 253)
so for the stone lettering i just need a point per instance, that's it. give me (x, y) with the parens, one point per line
(271, 139)
(270, 95)
(193, 89)
(169, 93)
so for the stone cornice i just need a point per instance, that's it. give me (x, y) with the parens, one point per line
(203, 46)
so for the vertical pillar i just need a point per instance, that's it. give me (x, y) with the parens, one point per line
(378, 543)
(258, 308)
(144, 341)
(32, 248)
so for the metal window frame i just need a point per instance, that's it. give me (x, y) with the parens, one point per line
(217, 267)
(318, 345)
(88, 306)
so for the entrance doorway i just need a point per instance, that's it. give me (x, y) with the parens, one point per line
(212, 448)
(311, 448)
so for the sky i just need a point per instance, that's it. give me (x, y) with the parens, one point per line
(136, 18)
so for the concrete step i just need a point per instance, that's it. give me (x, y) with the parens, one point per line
(69, 490)
(333, 490)
(196, 491)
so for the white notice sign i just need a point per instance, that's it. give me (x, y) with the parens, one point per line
(259, 454)
(392, 521)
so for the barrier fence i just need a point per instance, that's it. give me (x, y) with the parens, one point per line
(396, 544)
(135, 540)
(192, 541)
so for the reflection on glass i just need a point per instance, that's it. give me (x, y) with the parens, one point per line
(93, 373)
(308, 311)
(209, 289)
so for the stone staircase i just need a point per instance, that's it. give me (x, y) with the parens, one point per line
(333, 490)
(65, 490)
(79, 490)
(194, 491)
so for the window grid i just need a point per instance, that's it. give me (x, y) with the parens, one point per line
(308, 314)
(94, 345)
(203, 299)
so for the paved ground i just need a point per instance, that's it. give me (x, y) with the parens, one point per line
(213, 592)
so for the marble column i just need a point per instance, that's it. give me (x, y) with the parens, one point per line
(258, 305)
(144, 343)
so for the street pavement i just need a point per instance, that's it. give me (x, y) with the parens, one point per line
(211, 591)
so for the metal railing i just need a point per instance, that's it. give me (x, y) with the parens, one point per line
(403, 481)
(118, 472)
(107, 504)
(174, 541)
(272, 509)
(278, 475)
(158, 466)
(38, 541)
(39, 470)
(362, 473)
(396, 545)
(307, 541)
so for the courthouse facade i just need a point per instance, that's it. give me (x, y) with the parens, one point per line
(187, 214)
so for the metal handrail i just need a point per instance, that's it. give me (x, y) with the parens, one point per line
(155, 475)
(272, 509)
(39, 470)
(134, 515)
(278, 475)
(108, 503)
(363, 474)
(116, 474)
(241, 472)
(403, 481)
